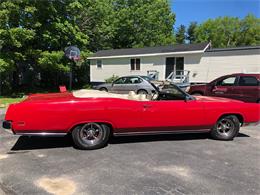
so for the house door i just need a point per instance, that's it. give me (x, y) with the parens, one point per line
(170, 62)
(179, 66)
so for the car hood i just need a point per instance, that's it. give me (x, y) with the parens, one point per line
(214, 99)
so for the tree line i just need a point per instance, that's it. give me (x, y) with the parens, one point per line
(34, 35)
(222, 32)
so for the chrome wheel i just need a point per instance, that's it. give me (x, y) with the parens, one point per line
(225, 127)
(91, 133)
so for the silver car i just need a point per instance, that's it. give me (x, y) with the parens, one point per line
(138, 84)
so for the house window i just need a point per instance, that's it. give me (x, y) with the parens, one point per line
(135, 64)
(99, 63)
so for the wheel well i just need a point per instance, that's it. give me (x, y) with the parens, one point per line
(239, 116)
(102, 88)
(142, 90)
(194, 92)
(105, 123)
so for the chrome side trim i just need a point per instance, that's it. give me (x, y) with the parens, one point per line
(162, 132)
(42, 134)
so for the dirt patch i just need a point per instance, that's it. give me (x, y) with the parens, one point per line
(3, 156)
(57, 186)
(179, 171)
(41, 155)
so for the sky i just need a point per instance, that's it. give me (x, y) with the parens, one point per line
(200, 10)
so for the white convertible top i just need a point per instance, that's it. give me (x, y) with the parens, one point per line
(86, 93)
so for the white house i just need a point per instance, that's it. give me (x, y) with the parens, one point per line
(203, 62)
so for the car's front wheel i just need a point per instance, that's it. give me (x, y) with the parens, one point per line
(226, 128)
(91, 136)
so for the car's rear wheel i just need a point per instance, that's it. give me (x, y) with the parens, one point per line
(226, 128)
(103, 89)
(142, 91)
(91, 136)
(197, 94)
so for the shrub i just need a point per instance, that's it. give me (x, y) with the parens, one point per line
(112, 79)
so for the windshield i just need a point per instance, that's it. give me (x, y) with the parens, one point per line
(173, 92)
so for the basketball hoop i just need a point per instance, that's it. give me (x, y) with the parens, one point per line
(73, 53)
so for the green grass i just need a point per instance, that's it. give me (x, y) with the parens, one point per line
(4, 102)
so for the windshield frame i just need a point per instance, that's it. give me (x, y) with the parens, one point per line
(185, 94)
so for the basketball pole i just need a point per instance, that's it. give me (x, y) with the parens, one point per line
(73, 53)
(70, 87)
(71, 75)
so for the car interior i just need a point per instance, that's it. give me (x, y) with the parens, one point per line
(165, 92)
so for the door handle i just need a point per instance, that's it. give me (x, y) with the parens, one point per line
(147, 106)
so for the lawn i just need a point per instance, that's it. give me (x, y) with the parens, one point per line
(4, 102)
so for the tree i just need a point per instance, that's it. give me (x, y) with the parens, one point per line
(180, 34)
(34, 34)
(229, 31)
(142, 23)
(191, 32)
(250, 31)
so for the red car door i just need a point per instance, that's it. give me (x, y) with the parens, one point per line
(224, 87)
(173, 115)
(247, 89)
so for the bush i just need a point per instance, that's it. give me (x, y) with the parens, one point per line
(112, 79)
(86, 86)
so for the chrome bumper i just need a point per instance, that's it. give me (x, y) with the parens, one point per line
(7, 124)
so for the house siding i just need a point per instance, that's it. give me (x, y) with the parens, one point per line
(211, 65)
(121, 67)
(203, 67)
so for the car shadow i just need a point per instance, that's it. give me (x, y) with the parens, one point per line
(33, 143)
(164, 137)
(155, 138)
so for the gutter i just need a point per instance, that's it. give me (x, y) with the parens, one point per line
(147, 55)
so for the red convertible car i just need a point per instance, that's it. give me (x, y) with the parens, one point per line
(91, 118)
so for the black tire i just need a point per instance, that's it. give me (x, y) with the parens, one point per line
(226, 128)
(142, 91)
(103, 89)
(81, 137)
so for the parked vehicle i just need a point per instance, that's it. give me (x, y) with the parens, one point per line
(138, 84)
(91, 119)
(244, 87)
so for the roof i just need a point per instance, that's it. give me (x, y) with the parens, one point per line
(256, 74)
(233, 48)
(151, 51)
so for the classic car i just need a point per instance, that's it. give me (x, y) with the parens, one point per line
(122, 85)
(91, 117)
(240, 86)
